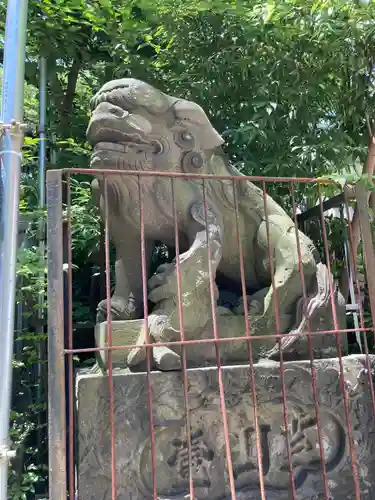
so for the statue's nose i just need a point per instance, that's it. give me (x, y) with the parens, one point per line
(112, 109)
(113, 123)
(130, 93)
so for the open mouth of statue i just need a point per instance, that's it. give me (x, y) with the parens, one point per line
(116, 131)
(118, 147)
(111, 124)
(123, 147)
(108, 135)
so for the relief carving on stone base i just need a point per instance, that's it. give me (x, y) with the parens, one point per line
(206, 440)
(172, 465)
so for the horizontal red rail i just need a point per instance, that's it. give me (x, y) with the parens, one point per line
(214, 340)
(183, 175)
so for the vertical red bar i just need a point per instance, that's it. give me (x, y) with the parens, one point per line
(249, 346)
(339, 350)
(182, 335)
(218, 360)
(353, 269)
(277, 318)
(148, 341)
(311, 351)
(109, 340)
(70, 342)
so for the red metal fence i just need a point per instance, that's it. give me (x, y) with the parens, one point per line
(62, 403)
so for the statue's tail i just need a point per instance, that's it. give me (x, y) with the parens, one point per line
(319, 299)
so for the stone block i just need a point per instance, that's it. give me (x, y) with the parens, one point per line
(133, 447)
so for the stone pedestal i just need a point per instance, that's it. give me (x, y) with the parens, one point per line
(210, 474)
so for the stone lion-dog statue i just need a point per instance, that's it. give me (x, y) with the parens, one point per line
(137, 128)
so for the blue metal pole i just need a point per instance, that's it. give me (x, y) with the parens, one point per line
(42, 129)
(10, 165)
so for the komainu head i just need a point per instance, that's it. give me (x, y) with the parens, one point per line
(136, 127)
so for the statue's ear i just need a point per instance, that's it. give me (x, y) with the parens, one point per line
(193, 114)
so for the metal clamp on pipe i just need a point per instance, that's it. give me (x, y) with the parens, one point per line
(14, 127)
(11, 135)
(12, 130)
(6, 454)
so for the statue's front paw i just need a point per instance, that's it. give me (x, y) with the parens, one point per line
(120, 309)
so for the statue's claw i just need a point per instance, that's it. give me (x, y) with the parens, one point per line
(121, 309)
(163, 284)
(163, 358)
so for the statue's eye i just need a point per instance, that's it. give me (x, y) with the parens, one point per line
(196, 160)
(158, 147)
(192, 161)
(185, 139)
(187, 136)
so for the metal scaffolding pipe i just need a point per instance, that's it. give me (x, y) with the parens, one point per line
(41, 344)
(10, 163)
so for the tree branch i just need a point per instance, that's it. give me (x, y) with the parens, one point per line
(368, 169)
(70, 92)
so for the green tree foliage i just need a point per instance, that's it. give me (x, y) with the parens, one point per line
(289, 84)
